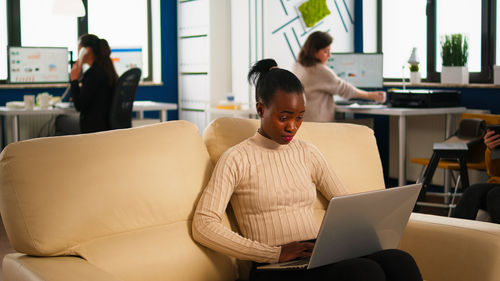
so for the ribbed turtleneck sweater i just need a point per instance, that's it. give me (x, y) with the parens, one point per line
(272, 190)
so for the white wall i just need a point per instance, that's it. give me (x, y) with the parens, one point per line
(272, 29)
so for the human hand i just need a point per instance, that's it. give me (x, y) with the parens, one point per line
(295, 250)
(491, 139)
(378, 96)
(76, 71)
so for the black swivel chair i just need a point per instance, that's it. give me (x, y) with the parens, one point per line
(120, 113)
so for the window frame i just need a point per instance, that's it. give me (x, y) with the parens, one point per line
(488, 42)
(14, 30)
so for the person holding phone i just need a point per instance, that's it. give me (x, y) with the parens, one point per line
(321, 83)
(484, 196)
(91, 91)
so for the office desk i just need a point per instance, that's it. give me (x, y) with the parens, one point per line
(401, 113)
(139, 107)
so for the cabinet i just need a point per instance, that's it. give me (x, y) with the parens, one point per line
(204, 44)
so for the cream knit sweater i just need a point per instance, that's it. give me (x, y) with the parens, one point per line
(321, 84)
(272, 190)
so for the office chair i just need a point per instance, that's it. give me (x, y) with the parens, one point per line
(470, 131)
(120, 113)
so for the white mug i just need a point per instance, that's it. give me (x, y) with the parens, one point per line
(43, 100)
(29, 102)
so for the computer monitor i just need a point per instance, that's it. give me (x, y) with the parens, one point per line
(364, 70)
(38, 65)
(125, 58)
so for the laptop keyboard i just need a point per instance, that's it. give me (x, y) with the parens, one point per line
(290, 265)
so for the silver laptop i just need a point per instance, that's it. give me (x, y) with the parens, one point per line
(358, 224)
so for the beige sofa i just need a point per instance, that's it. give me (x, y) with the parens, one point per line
(118, 205)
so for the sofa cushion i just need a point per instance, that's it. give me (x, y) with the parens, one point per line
(350, 149)
(121, 199)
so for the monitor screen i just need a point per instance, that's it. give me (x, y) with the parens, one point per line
(125, 58)
(38, 65)
(364, 70)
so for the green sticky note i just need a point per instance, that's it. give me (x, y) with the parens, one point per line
(313, 11)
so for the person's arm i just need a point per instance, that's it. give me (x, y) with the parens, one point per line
(378, 96)
(338, 86)
(82, 96)
(207, 226)
(323, 176)
(492, 141)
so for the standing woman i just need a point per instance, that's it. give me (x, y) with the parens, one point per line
(321, 83)
(271, 179)
(93, 98)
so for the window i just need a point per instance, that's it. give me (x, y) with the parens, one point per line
(498, 37)
(404, 27)
(369, 27)
(3, 39)
(41, 28)
(464, 18)
(122, 24)
(421, 24)
(125, 23)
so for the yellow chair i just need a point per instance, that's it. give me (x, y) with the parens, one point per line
(454, 166)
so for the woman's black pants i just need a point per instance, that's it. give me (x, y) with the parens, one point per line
(387, 265)
(484, 196)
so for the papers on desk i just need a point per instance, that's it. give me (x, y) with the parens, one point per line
(367, 106)
(15, 104)
(64, 105)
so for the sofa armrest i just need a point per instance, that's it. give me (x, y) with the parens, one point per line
(22, 267)
(453, 249)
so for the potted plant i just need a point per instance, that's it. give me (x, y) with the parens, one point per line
(413, 61)
(454, 52)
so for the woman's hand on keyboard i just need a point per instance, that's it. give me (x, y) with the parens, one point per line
(296, 250)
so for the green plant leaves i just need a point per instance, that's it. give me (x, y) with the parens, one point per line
(414, 67)
(454, 50)
(313, 11)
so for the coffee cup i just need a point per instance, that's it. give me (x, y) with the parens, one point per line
(43, 100)
(29, 102)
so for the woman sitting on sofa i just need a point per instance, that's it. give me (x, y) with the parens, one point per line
(271, 181)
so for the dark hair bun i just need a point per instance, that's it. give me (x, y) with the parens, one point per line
(259, 69)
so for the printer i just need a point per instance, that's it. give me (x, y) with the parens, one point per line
(420, 98)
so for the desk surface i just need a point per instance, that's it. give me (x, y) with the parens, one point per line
(138, 106)
(153, 105)
(398, 111)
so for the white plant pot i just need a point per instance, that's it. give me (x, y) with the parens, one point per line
(455, 75)
(415, 77)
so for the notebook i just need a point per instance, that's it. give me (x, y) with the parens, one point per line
(358, 224)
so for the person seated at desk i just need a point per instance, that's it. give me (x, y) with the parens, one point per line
(93, 98)
(321, 83)
(484, 196)
(271, 181)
